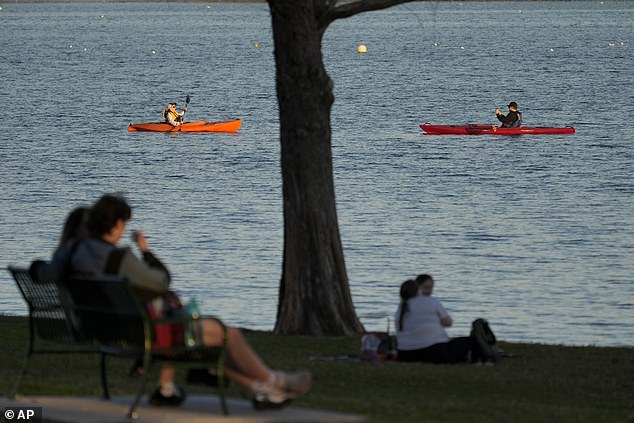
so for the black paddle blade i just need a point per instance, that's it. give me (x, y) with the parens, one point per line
(187, 99)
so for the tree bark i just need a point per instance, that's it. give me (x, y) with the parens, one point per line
(314, 296)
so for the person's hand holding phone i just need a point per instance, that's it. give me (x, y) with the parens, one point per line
(139, 239)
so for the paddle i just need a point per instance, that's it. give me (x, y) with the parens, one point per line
(497, 107)
(184, 110)
(186, 104)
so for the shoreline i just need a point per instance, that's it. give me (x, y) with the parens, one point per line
(269, 332)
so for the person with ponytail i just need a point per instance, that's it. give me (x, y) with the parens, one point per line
(420, 326)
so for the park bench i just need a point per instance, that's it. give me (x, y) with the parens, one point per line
(103, 316)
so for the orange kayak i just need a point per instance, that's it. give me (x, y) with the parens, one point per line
(226, 126)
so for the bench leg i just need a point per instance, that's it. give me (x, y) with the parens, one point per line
(14, 390)
(147, 363)
(137, 399)
(222, 363)
(104, 378)
(29, 351)
(222, 392)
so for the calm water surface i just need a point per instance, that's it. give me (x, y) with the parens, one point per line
(534, 233)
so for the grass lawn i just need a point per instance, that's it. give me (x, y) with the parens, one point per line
(540, 383)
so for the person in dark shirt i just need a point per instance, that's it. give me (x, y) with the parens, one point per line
(512, 119)
(94, 255)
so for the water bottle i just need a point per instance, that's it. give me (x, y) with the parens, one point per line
(192, 308)
(193, 312)
(391, 353)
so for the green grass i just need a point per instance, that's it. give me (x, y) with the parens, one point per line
(541, 383)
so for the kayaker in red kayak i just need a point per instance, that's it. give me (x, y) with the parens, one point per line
(513, 119)
(172, 116)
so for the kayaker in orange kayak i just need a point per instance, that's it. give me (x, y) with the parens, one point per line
(513, 119)
(172, 116)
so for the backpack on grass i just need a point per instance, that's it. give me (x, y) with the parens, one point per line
(378, 346)
(485, 339)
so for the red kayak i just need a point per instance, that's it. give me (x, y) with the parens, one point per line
(227, 126)
(471, 129)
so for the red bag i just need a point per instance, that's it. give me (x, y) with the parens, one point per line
(166, 335)
(162, 331)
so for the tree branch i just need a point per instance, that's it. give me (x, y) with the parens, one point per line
(351, 8)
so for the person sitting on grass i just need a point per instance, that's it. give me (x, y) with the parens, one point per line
(420, 327)
(95, 255)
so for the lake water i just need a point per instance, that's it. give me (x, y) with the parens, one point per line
(535, 233)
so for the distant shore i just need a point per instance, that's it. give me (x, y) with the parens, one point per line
(216, 1)
(131, 1)
(208, 1)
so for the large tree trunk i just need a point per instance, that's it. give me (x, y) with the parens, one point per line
(314, 297)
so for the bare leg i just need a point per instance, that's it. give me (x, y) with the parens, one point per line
(168, 393)
(166, 375)
(248, 367)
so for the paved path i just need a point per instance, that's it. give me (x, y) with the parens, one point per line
(197, 409)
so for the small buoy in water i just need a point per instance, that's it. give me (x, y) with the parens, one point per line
(611, 44)
(552, 49)
(362, 49)
(435, 44)
(462, 47)
(85, 49)
(257, 44)
(208, 7)
(153, 52)
(102, 16)
(70, 46)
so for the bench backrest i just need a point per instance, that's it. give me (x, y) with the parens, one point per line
(102, 311)
(108, 312)
(49, 319)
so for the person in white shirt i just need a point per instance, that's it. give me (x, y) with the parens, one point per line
(420, 326)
